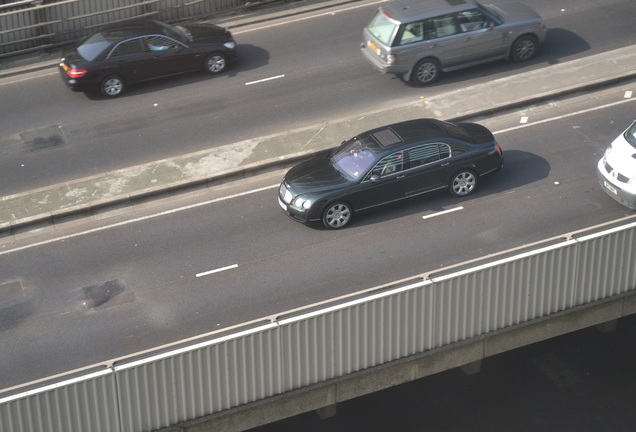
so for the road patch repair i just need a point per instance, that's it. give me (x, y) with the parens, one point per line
(107, 294)
(43, 138)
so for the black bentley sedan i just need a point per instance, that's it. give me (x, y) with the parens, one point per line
(129, 52)
(388, 164)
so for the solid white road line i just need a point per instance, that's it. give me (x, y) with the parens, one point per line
(265, 79)
(443, 212)
(233, 266)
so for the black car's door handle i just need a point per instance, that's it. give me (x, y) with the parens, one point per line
(445, 164)
(400, 176)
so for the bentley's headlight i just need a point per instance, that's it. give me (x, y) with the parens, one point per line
(302, 203)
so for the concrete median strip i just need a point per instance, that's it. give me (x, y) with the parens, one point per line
(83, 197)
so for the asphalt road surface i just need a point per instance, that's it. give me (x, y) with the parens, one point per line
(158, 262)
(321, 76)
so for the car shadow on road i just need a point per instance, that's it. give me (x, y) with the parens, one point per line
(559, 44)
(520, 168)
(249, 57)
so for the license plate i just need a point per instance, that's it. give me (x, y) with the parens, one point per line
(282, 204)
(64, 67)
(610, 188)
(374, 47)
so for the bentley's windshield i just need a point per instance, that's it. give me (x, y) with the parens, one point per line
(352, 159)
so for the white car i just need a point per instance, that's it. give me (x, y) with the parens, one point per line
(617, 168)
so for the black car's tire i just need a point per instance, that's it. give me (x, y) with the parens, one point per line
(425, 71)
(112, 86)
(215, 63)
(337, 215)
(524, 49)
(463, 183)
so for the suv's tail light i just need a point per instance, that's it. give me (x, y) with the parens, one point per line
(76, 73)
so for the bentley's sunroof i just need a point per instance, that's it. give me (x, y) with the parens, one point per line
(387, 137)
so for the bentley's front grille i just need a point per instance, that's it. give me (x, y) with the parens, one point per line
(285, 194)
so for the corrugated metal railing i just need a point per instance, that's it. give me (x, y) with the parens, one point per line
(276, 357)
(27, 26)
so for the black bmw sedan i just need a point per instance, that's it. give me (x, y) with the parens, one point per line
(129, 52)
(388, 164)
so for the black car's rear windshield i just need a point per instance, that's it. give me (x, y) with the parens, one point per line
(453, 130)
(467, 132)
(93, 47)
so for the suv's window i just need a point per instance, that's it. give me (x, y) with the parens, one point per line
(389, 165)
(382, 27)
(472, 20)
(412, 33)
(417, 32)
(129, 47)
(445, 25)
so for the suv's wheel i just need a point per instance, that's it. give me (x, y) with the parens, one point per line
(524, 48)
(215, 63)
(337, 215)
(425, 71)
(463, 183)
(112, 86)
